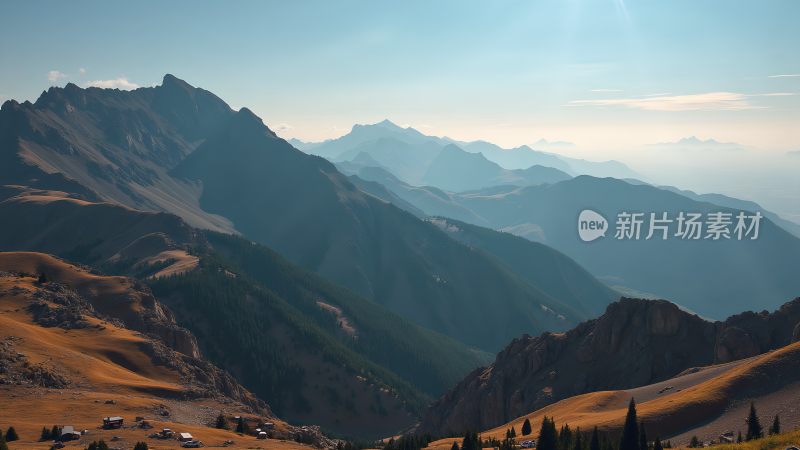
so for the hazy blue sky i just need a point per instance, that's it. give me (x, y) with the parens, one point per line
(608, 75)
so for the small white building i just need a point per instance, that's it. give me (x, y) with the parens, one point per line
(185, 437)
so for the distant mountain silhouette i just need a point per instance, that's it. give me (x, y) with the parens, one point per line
(453, 169)
(407, 153)
(693, 273)
(713, 278)
(428, 199)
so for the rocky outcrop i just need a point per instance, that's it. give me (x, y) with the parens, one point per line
(634, 343)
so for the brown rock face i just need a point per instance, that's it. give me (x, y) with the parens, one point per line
(634, 343)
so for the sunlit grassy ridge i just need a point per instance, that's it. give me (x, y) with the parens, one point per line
(781, 441)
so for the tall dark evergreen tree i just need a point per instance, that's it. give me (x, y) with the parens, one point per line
(221, 423)
(657, 444)
(774, 429)
(455, 446)
(754, 428)
(241, 427)
(45, 436)
(739, 437)
(548, 439)
(513, 433)
(642, 437)
(55, 432)
(565, 438)
(526, 427)
(577, 441)
(694, 443)
(140, 446)
(3, 445)
(594, 444)
(471, 441)
(630, 432)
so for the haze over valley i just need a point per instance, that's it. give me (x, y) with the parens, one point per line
(355, 225)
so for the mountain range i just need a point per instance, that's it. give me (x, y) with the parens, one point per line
(410, 155)
(244, 236)
(693, 273)
(350, 292)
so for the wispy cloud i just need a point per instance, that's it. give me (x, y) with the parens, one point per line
(55, 75)
(778, 94)
(606, 90)
(118, 83)
(709, 101)
(82, 71)
(786, 75)
(280, 127)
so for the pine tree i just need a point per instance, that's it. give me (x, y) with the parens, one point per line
(754, 429)
(577, 442)
(774, 429)
(630, 432)
(240, 425)
(455, 446)
(657, 444)
(526, 427)
(11, 435)
(221, 423)
(3, 445)
(513, 433)
(694, 443)
(471, 441)
(45, 434)
(55, 432)
(642, 437)
(565, 438)
(548, 440)
(140, 446)
(739, 437)
(595, 442)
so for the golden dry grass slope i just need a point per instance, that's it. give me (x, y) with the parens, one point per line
(77, 374)
(704, 401)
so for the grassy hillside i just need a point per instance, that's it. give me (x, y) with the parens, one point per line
(413, 362)
(684, 405)
(777, 441)
(69, 359)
